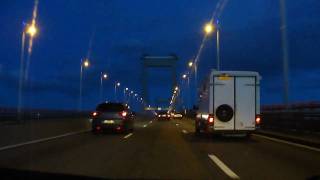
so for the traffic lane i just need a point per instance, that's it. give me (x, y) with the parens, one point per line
(257, 157)
(159, 151)
(37, 129)
(153, 151)
(77, 154)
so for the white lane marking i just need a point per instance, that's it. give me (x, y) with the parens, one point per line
(287, 142)
(184, 131)
(145, 125)
(41, 140)
(177, 124)
(223, 167)
(128, 135)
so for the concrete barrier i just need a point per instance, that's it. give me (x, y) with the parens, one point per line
(306, 121)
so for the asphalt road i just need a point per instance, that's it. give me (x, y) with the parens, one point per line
(165, 150)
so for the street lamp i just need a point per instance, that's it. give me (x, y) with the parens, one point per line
(190, 64)
(125, 95)
(83, 64)
(117, 84)
(209, 28)
(184, 76)
(103, 76)
(31, 30)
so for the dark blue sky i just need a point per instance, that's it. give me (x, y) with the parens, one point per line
(121, 31)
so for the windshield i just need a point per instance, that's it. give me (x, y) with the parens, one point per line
(160, 89)
(107, 107)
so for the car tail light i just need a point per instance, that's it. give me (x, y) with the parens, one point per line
(210, 119)
(123, 113)
(258, 119)
(95, 114)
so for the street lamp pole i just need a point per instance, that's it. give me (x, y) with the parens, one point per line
(19, 109)
(218, 46)
(101, 86)
(117, 84)
(80, 88)
(285, 54)
(102, 77)
(82, 65)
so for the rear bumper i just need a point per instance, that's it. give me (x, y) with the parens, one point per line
(204, 127)
(163, 119)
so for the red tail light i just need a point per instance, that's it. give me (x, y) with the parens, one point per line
(123, 113)
(210, 119)
(258, 119)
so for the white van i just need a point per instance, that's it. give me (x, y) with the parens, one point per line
(229, 102)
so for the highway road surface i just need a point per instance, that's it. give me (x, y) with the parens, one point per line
(165, 150)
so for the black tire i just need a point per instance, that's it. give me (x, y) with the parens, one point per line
(197, 131)
(93, 131)
(248, 135)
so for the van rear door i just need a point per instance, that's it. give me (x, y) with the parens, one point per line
(223, 104)
(245, 103)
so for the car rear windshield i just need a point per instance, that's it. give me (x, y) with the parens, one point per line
(110, 107)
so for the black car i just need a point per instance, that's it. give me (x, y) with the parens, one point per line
(113, 117)
(163, 115)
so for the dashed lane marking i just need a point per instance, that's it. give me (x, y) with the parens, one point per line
(223, 167)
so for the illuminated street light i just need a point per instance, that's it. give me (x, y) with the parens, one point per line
(103, 76)
(190, 64)
(127, 89)
(31, 30)
(117, 84)
(209, 28)
(135, 95)
(131, 92)
(84, 64)
(176, 88)
(184, 76)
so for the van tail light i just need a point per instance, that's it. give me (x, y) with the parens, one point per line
(258, 119)
(123, 113)
(210, 119)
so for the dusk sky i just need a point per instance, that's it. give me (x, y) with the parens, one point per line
(116, 33)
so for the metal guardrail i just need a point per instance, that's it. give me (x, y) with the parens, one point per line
(10, 114)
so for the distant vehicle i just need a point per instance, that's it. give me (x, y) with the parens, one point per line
(229, 103)
(163, 115)
(112, 116)
(177, 116)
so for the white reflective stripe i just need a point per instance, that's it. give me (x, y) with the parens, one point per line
(41, 140)
(223, 167)
(287, 142)
(128, 135)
